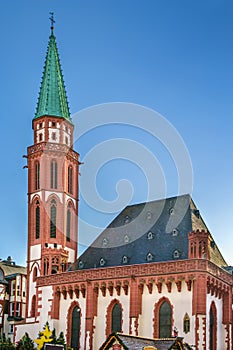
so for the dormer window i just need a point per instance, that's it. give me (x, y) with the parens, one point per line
(149, 215)
(80, 264)
(175, 232)
(126, 239)
(102, 262)
(176, 254)
(150, 235)
(125, 259)
(171, 211)
(149, 257)
(105, 242)
(127, 219)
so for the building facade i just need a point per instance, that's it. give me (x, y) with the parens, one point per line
(155, 271)
(12, 296)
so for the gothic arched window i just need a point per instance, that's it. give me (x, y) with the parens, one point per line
(70, 179)
(213, 327)
(186, 323)
(68, 222)
(165, 320)
(37, 219)
(53, 218)
(75, 328)
(53, 174)
(37, 175)
(34, 274)
(116, 318)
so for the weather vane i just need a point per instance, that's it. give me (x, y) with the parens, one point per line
(52, 20)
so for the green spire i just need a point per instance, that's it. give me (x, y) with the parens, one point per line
(52, 97)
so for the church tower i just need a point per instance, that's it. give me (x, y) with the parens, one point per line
(53, 168)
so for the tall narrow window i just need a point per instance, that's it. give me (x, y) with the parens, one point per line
(34, 276)
(37, 176)
(213, 327)
(186, 323)
(33, 306)
(37, 219)
(165, 320)
(70, 179)
(116, 318)
(17, 309)
(68, 222)
(53, 174)
(53, 219)
(75, 328)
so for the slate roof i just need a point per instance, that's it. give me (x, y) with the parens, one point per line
(129, 342)
(52, 97)
(12, 269)
(155, 231)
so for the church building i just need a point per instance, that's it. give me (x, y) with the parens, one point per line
(155, 272)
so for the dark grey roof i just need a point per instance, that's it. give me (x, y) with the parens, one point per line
(147, 232)
(10, 270)
(129, 342)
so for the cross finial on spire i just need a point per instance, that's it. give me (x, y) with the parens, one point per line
(52, 21)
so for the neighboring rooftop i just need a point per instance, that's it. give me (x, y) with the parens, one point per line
(130, 342)
(9, 268)
(148, 232)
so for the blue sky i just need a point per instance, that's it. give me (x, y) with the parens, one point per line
(172, 56)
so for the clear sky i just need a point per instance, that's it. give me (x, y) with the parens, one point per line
(175, 57)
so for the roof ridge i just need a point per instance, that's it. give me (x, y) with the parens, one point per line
(157, 200)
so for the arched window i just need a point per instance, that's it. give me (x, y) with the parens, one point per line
(37, 219)
(70, 179)
(75, 328)
(186, 323)
(37, 176)
(53, 219)
(165, 320)
(46, 266)
(53, 174)
(68, 222)
(33, 306)
(213, 327)
(34, 274)
(116, 318)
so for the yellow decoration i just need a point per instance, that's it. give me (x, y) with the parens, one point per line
(44, 338)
